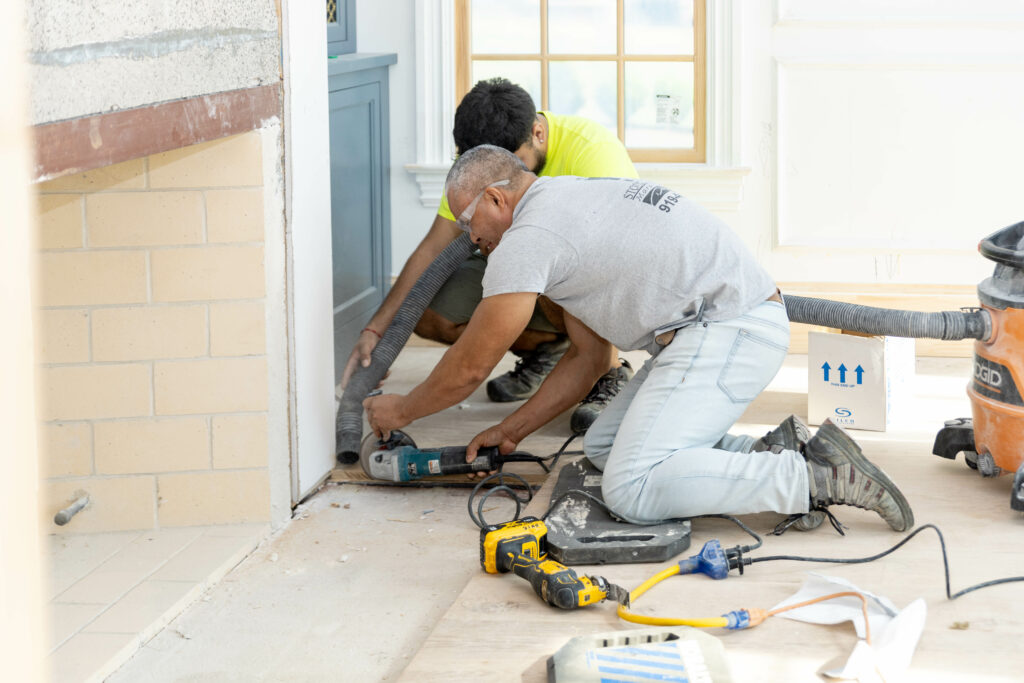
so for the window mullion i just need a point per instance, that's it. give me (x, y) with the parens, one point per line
(544, 54)
(699, 80)
(620, 68)
(463, 47)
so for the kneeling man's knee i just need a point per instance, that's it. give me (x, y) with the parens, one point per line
(617, 496)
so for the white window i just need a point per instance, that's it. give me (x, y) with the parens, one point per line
(635, 66)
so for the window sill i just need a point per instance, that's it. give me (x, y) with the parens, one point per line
(716, 188)
(430, 178)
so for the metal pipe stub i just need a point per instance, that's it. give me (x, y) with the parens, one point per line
(65, 515)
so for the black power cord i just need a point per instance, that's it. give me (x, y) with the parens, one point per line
(561, 451)
(735, 555)
(504, 479)
(872, 558)
(502, 486)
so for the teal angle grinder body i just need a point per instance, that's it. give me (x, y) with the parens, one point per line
(398, 459)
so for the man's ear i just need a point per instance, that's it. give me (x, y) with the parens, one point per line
(537, 132)
(495, 195)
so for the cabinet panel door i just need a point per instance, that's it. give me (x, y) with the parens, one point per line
(357, 213)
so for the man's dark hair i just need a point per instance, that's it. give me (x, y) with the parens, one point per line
(495, 112)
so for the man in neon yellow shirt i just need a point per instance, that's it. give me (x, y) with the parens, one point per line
(498, 112)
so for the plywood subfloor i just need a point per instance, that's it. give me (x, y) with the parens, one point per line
(497, 629)
(533, 475)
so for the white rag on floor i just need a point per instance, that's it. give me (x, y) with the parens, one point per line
(894, 633)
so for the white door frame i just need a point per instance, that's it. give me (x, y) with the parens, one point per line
(308, 218)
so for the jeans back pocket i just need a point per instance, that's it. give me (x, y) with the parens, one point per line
(752, 363)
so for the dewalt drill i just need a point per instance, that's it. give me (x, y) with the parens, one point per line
(520, 546)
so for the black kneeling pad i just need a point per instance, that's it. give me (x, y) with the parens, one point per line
(582, 532)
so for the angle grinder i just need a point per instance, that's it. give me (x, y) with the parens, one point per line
(398, 459)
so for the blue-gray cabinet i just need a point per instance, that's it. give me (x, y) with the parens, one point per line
(360, 193)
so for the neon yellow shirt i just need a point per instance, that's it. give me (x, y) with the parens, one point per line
(580, 147)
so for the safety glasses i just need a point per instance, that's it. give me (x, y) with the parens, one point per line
(467, 215)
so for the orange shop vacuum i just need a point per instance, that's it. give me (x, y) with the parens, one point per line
(992, 440)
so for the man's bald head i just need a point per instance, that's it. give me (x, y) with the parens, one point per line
(480, 167)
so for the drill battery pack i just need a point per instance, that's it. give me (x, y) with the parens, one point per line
(526, 536)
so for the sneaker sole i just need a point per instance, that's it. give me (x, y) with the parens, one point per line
(833, 435)
(499, 395)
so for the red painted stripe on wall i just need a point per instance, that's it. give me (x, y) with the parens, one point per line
(88, 142)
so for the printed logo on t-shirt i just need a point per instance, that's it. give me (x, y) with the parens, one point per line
(649, 193)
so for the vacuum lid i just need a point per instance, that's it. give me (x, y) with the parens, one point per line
(1005, 246)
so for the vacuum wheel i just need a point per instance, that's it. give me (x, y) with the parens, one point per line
(1017, 494)
(971, 458)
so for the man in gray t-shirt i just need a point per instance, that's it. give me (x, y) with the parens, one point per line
(674, 261)
(638, 266)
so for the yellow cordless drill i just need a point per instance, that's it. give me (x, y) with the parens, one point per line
(520, 546)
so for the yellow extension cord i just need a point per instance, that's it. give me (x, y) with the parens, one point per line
(624, 613)
(756, 615)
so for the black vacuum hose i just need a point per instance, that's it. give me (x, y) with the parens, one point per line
(348, 426)
(970, 324)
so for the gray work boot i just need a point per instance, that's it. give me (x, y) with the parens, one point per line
(839, 474)
(532, 367)
(600, 395)
(791, 435)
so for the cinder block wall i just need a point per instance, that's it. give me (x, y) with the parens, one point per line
(151, 330)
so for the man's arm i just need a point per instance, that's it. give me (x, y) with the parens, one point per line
(495, 324)
(442, 233)
(569, 381)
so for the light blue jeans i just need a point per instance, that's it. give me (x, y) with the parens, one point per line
(662, 442)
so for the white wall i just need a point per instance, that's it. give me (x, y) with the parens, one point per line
(389, 27)
(882, 138)
(21, 569)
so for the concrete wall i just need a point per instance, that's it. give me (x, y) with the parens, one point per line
(160, 338)
(96, 56)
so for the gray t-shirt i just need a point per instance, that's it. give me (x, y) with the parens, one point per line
(627, 257)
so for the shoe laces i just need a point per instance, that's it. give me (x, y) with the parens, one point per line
(784, 526)
(606, 388)
(530, 363)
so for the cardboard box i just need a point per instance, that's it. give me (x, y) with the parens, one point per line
(859, 382)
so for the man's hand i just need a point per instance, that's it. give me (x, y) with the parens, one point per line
(492, 436)
(385, 413)
(365, 345)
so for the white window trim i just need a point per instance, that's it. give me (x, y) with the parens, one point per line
(718, 183)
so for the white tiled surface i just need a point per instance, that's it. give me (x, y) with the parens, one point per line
(74, 557)
(111, 592)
